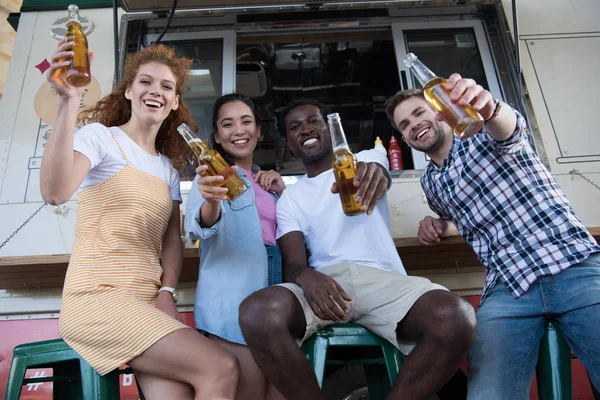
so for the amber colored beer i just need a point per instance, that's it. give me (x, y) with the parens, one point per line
(465, 121)
(218, 166)
(344, 168)
(78, 73)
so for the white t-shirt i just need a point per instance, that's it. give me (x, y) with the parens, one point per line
(332, 237)
(96, 143)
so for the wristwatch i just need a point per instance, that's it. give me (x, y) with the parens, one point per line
(497, 108)
(174, 292)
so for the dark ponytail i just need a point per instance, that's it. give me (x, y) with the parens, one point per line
(220, 102)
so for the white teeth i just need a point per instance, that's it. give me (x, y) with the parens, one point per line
(241, 141)
(152, 103)
(309, 142)
(420, 135)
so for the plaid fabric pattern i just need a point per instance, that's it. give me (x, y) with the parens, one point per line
(509, 208)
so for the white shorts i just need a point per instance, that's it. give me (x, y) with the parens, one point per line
(380, 299)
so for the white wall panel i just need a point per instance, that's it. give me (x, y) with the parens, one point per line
(564, 74)
(542, 17)
(23, 135)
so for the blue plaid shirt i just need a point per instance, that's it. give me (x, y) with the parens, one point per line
(509, 208)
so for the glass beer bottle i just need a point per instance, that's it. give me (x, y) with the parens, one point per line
(344, 166)
(78, 73)
(215, 163)
(465, 121)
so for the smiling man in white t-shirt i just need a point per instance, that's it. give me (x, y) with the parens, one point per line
(353, 274)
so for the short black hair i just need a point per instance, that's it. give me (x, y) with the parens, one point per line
(323, 109)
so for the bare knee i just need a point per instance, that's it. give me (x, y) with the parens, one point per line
(442, 318)
(452, 321)
(224, 373)
(266, 312)
(228, 366)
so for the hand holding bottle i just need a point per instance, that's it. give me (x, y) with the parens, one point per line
(462, 118)
(214, 163)
(344, 167)
(371, 183)
(209, 185)
(60, 59)
(467, 91)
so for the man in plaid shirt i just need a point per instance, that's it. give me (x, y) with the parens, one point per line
(541, 262)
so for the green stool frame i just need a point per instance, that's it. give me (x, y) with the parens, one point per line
(553, 371)
(354, 335)
(554, 367)
(72, 377)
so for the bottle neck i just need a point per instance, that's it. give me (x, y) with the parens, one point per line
(196, 144)
(73, 15)
(198, 147)
(419, 70)
(338, 138)
(202, 144)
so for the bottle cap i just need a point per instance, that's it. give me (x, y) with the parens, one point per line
(377, 140)
(409, 58)
(332, 116)
(393, 139)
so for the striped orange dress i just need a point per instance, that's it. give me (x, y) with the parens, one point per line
(108, 312)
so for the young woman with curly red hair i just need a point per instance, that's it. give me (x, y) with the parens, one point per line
(124, 163)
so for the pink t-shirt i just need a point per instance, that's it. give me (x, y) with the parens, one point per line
(265, 204)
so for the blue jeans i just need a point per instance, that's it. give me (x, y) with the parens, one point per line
(503, 357)
(274, 264)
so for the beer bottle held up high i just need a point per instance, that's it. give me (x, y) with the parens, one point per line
(465, 121)
(344, 166)
(215, 163)
(78, 73)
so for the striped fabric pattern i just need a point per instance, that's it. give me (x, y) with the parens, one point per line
(108, 312)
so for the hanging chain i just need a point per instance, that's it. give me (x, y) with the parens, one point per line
(22, 225)
(576, 172)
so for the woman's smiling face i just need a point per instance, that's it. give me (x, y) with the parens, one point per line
(237, 131)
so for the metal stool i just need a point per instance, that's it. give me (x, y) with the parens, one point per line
(354, 335)
(553, 371)
(72, 377)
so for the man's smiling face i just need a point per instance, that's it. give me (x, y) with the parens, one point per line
(415, 119)
(308, 133)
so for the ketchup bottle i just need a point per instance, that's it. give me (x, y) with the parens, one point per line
(395, 155)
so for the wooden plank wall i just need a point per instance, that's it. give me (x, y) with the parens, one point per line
(7, 37)
(48, 271)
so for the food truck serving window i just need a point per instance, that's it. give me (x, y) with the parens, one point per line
(348, 61)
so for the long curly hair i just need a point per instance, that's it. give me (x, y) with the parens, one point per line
(114, 109)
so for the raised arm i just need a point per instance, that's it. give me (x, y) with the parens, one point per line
(373, 181)
(62, 169)
(501, 120)
(210, 210)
